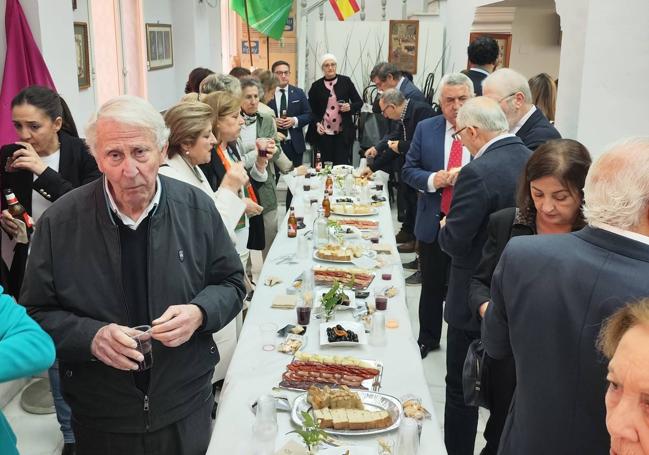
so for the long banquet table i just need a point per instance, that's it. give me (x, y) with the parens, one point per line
(254, 372)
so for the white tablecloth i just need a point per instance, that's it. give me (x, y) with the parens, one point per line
(254, 372)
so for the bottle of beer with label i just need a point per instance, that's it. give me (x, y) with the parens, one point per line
(292, 224)
(318, 162)
(326, 205)
(329, 185)
(17, 210)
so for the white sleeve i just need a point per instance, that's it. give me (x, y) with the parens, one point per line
(431, 184)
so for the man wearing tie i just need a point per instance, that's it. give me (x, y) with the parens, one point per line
(292, 112)
(431, 167)
(484, 186)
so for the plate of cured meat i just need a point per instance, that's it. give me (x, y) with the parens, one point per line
(326, 276)
(307, 369)
(363, 225)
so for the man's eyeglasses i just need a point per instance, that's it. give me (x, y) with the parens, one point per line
(386, 108)
(456, 135)
(506, 97)
(282, 73)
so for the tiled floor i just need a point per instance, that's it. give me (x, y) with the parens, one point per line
(39, 435)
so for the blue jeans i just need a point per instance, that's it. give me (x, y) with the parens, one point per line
(63, 412)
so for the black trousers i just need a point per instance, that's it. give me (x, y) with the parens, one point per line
(500, 382)
(188, 436)
(334, 148)
(409, 200)
(460, 420)
(434, 266)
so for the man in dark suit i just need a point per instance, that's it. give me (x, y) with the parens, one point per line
(483, 55)
(431, 163)
(512, 91)
(549, 296)
(387, 76)
(292, 112)
(484, 186)
(408, 114)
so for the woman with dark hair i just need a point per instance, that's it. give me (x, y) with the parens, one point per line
(47, 162)
(194, 80)
(333, 99)
(549, 199)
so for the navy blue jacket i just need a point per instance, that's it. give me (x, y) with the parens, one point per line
(485, 185)
(410, 92)
(549, 296)
(426, 155)
(537, 130)
(298, 106)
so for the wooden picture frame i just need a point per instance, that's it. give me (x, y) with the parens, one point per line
(159, 46)
(403, 41)
(83, 55)
(504, 41)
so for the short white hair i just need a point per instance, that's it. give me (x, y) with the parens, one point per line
(616, 191)
(455, 79)
(507, 82)
(129, 110)
(484, 113)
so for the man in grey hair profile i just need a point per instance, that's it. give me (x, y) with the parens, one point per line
(550, 294)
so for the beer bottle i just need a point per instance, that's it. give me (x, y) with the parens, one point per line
(329, 185)
(292, 224)
(17, 210)
(326, 205)
(318, 162)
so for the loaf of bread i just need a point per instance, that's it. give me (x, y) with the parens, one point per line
(352, 419)
(341, 398)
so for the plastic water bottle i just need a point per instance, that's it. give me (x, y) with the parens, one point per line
(320, 230)
(264, 430)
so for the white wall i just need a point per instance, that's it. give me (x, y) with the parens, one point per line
(614, 101)
(196, 42)
(356, 57)
(535, 42)
(87, 101)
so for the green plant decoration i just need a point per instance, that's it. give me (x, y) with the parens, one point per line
(311, 433)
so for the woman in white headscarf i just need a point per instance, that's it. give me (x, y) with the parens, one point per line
(333, 99)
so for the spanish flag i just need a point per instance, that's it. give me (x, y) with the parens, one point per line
(344, 8)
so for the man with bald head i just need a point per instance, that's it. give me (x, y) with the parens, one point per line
(549, 296)
(512, 92)
(484, 186)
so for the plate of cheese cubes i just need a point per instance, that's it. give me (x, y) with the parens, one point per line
(341, 411)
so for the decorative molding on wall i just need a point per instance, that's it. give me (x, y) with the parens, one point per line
(493, 19)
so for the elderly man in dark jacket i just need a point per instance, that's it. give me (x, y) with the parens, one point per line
(549, 297)
(132, 249)
(512, 91)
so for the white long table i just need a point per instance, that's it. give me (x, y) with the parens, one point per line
(254, 372)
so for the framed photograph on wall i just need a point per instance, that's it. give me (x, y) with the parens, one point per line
(159, 46)
(83, 58)
(403, 44)
(504, 41)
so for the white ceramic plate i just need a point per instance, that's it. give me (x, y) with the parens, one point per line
(374, 211)
(357, 328)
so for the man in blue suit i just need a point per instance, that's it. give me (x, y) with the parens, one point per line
(292, 112)
(549, 296)
(387, 76)
(427, 170)
(484, 186)
(512, 91)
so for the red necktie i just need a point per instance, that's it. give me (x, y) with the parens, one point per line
(454, 160)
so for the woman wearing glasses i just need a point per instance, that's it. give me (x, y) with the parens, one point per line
(333, 99)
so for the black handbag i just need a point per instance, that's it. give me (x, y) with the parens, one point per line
(473, 375)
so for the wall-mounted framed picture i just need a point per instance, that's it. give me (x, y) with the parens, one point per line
(159, 46)
(504, 41)
(403, 44)
(83, 55)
